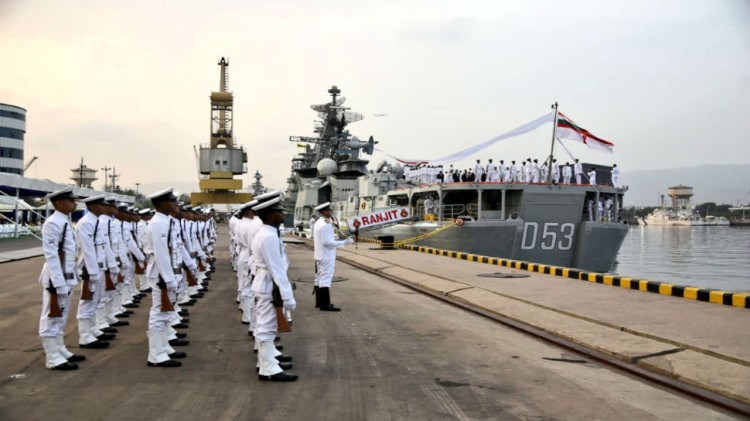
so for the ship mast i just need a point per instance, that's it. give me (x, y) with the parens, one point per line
(552, 148)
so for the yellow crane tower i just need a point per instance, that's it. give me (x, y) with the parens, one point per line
(222, 158)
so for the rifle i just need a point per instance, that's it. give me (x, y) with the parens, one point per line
(120, 278)
(201, 267)
(166, 302)
(191, 281)
(282, 324)
(139, 270)
(86, 294)
(108, 284)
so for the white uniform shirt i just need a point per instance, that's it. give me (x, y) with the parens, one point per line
(110, 257)
(159, 240)
(91, 245)
(324, 240)
(58, 273)
(271, 263)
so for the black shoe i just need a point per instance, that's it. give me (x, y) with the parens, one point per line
(168, 363)
(147, 290)
(141, 295)
(330, 307)
(245, 323)
(121, 323)
(177, 355)
(276, 339)
(283, 366)
(185, 320)
(180, 326)
(179, 342)
(131, 305)
(122, 315)
(279, 347)
(106, 337)
(109, 330)
(76, 358)
(183, 313)
(65, 366)
(284, 358)
(196, 296)
(95, 345)
(279, 377)
(188, 304)
(181, 335)
(250, 334)
(129, 312)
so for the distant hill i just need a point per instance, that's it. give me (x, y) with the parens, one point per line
(723, 184)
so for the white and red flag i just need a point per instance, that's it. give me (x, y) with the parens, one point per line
(567, 129)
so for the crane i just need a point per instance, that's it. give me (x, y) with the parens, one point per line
(29, 163)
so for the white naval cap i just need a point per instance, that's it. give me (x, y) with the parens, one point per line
(323, 206)
(162, 195)
(266, 196)
(94, 200)
(269, 205)
(65, 193)
(144, 211)
(249, 204)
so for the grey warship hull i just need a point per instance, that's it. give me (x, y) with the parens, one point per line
(547, 224)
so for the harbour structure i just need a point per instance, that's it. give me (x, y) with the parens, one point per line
(740, 215)
(680, 212)
(222, 158)
(83, 175)
(538, 222)
(12, 132)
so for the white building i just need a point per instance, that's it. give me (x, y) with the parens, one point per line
(12, 131)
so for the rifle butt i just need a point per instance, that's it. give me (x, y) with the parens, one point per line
(282, 324)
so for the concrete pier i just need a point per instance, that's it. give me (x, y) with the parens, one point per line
(392, 353)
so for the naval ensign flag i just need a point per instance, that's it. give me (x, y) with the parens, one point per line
(567, 129)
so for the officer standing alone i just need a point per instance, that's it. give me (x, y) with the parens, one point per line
(325, 256)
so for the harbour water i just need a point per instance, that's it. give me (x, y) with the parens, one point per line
(708, 257)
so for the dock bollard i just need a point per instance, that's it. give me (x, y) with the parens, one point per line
(386, 242)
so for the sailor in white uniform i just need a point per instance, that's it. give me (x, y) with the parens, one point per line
(91, 266)
(242, 238)
(578, 172)
(478, 170)
(162, 270)
(325, 255)
(567, 173)
(58, 280)
(615, 176)
(555, 172)
(592, 177)
(270, 276)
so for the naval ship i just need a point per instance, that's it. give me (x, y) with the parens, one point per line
(542, 223)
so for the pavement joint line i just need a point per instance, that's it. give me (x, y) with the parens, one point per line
(459, 289)
(599, 356)
(656, 354)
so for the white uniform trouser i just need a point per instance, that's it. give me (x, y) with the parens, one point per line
(158, 320)
(265, 318)
(578, 178)
(50, 327)
(158, 325)
(87, 330)
(324, 276)
(127, 292)
(615, 181)
(247, 302)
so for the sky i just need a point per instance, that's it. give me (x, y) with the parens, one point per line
(127, 84)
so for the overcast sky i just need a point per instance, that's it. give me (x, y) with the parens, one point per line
(126, 84)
